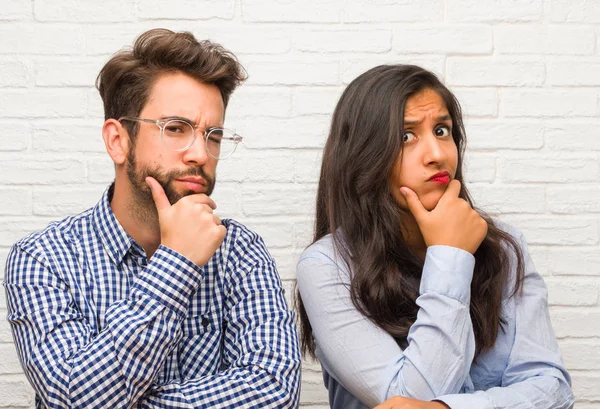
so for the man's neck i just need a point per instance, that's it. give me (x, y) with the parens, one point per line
(142, 225)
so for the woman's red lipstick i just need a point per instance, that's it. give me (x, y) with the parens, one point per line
(443, 178)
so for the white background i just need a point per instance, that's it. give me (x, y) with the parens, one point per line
(526, 72)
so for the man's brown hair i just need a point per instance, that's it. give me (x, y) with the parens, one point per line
(126, 79)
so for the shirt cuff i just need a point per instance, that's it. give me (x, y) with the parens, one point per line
(466, 401)
(171, 278)
(448, 271)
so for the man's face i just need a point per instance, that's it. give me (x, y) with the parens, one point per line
(175, 96)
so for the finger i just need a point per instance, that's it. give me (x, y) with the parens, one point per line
(453, 189)
(158, 194)
(414, 204)
(216, 219)
(201, 198)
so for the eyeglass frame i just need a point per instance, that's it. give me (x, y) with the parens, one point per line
(162, 124)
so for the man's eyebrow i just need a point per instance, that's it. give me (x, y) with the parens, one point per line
(440, 119)
(180, 118)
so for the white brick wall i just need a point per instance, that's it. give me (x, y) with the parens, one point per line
(526, 71)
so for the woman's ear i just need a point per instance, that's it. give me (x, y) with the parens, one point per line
(116, 140)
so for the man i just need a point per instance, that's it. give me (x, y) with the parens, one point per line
(148, 300)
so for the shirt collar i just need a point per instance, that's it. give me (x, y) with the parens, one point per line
(113, 236)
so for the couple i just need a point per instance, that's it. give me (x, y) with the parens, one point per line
(408, 296)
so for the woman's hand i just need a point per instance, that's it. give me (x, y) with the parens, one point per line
(399, 402)
(453, 222)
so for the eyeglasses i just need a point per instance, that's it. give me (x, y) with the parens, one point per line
(178, 135)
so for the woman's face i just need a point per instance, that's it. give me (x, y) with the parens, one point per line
(429, 157)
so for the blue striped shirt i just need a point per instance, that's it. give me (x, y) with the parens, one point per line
(97, 325)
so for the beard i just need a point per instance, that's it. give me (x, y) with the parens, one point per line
(143, 207)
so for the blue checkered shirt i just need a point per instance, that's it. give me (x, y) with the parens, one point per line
(97, 325)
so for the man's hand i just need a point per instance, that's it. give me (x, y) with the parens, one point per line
(453, 222)
(399, 402)
(189, 226)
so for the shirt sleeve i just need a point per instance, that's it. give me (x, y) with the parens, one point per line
(364, 358)
(260, 348)
(535, 377)
(71, 365)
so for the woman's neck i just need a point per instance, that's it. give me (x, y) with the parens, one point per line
(412, 234)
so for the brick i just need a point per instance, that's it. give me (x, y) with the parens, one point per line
(16, 228)
(94, 106)
(228, 199)
(15, 135)
(67, 136)
(574, 199)
(574, 261)
(575, 323)
(315, 100)
(575, 11)
(67, 72)
(300, 132)
(544, 39)
(539, 255)
(494, 11)
(250, 102)
(549, 102)
(15, 10)
(9, 364)
(14, 73)
(580, 353)
(35, 171)
(187, 9)
(26, 39)
(574, 73)
(569, 136)
(286, 11)
(106, 40)
(286, 262)
(3, 256)
(336, 40)
(15, 202)
(248, 39)
(477, 102)
(479, 168)
(5, 330)
(446, 39)
(563, 231)
(546, 168)
(276, 234)
(64, 202)
(508, 198)
(359, 11)
(304, 230)
(352, 67)
(313, 390)
(277, 200)
(307, 166)
(494, 134)
(100, 170)
(48, 103)
(277, 72)
(572, 291)
(257, 166)
(84, 11)
(16, 392)
(470, 71)
(585, 387)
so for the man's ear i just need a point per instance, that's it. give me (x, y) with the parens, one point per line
(116, 140)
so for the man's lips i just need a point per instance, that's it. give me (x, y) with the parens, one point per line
(442, 178)
(195, 184)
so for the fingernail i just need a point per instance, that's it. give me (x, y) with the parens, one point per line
(403, 192)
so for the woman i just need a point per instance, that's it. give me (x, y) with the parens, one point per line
(408, 294)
